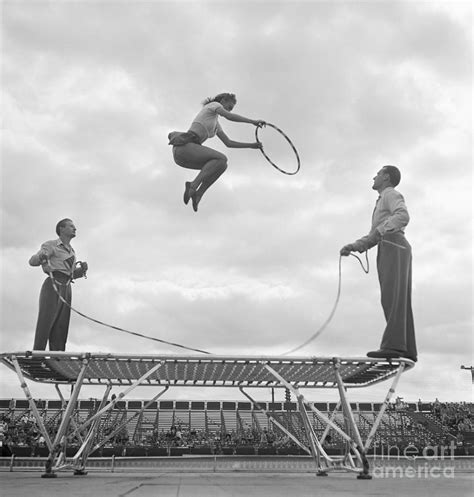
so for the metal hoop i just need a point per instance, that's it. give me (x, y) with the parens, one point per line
(291, 144)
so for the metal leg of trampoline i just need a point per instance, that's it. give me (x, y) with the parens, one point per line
(59, 444)
(79, 469)
(85, 449)
(88, 450)
(314, 444)
(276, 422)
(378, 419)
(56, 447)
(31, 402)
(316, 447)
(352, 426)
(352, 437)
(63, 407)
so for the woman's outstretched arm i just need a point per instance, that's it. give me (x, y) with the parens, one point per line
(233, 144)
(238, 118)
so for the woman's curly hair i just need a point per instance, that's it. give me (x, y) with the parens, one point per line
(219, 98)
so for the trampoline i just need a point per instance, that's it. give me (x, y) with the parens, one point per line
(243, 372)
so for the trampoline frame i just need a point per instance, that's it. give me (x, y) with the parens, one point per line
(165, 371)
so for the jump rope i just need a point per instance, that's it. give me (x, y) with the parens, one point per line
(313, 337)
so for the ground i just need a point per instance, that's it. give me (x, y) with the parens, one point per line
(127, 484)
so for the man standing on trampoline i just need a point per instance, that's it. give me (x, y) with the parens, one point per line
(394, 260)
(58, 258)
(189, 152)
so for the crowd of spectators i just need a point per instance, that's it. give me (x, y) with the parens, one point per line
(182, 437)
(21, 430)
(456, 416)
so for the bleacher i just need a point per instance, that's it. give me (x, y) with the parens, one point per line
(222, 427)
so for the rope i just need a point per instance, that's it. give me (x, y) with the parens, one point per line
(309, 340)
(333, 311)
(50, 274)
(288, 140)
(394, 244)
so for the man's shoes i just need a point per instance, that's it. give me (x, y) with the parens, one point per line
(187, 192)
(385, 354)
(414, 359)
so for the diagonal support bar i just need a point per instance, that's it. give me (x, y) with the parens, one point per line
(122, 425)
(319, 450)
(318, 413)
(32, 403)
(60, 439)
(275, 422)
(314, 444)
(121, 395)
(390, 392)
(352, 426)
(71, 403)
(93, 429)
(63, 407)
(346, 406)
(332, 418)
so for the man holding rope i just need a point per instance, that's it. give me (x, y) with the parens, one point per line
(58, 260)
(394, 260)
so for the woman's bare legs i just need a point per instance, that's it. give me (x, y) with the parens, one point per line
(209, 174)
(211, 163)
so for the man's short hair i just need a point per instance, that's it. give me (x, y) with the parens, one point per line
(393, 173)
(61, 224)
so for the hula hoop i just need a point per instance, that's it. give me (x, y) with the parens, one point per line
(291, 144)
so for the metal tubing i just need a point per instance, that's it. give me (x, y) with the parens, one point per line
(390, 392)
(93, 429)
(346, 406)
(73, 421)
(358, 447)
(304, 414)
(67, 414)
(312, 439)
(121, 395)
(318, 413)
(326, 420)
(276, 422)
(32, 404)
(333, 415)
(137, 413)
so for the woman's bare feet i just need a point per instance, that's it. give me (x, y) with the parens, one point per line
(195, 198)
(188, 191)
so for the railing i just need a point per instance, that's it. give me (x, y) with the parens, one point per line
(235, 463)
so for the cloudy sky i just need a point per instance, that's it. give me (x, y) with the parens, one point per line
(90, 92)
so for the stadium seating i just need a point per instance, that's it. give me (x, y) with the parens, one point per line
(176, 427)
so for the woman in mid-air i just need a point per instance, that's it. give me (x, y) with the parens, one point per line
(189, 151)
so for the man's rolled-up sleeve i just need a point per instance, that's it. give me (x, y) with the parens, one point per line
(35, 259)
